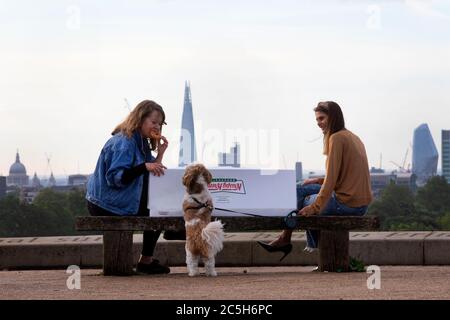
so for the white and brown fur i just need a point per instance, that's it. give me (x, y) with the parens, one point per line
(204, 239)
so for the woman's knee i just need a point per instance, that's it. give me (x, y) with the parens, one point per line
(308, 189)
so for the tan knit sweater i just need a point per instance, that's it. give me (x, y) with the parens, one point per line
(347, 172)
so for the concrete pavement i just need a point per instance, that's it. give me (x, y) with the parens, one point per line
(258, 283)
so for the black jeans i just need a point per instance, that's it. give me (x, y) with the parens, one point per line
(149, 238)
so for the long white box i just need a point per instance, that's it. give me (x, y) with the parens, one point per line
(243, 190)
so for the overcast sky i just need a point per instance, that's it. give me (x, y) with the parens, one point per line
(66, 67)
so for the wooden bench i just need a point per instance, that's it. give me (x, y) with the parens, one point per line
(118, 235)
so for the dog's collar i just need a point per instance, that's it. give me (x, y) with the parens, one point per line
(201, 204)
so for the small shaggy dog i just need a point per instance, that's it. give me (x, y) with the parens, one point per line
(204, 239)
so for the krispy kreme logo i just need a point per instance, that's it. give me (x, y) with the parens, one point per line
(230, 185)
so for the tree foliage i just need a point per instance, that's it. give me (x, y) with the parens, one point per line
(51, 214)
(429, 209)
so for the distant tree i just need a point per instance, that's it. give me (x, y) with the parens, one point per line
(434, 196)
(399, 210)
(51, 213)
(55, 204)
(444, 221)
(19, 219)
(10, 209)
(76, 202)
(394, 204)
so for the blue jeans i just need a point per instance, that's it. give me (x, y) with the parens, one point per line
(306, 195)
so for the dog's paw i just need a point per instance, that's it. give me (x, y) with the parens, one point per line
(211, 274)
(193, 273)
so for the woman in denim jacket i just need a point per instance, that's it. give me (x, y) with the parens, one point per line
(119, 185)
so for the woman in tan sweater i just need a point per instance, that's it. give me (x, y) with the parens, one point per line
(345, 190)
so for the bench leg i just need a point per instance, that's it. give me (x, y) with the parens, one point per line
(334, 251)
(117, 253)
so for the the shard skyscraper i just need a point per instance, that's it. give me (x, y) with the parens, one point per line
(425, 155)
(188, 151)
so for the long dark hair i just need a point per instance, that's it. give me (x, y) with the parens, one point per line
(336, 120)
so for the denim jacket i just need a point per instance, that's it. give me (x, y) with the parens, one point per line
(105, 188)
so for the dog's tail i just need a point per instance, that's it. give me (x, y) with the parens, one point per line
(213, 235)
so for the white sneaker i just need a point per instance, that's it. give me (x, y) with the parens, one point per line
(309, 249)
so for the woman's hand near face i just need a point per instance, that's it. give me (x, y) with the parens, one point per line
(162, 147)
(155, 168)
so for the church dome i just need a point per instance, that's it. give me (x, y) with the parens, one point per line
(36, 182)
(17, 174)
(17, 167)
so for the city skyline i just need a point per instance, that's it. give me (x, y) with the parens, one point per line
(62, 177)
(67, 68)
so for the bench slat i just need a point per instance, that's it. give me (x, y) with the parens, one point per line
(232, 224)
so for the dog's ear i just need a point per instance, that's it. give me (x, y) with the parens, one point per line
(188, 177)
(190, 180)
(207, 175)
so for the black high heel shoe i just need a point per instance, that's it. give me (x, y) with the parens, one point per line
(286, 249)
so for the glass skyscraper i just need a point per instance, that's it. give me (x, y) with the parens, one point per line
(425, 155)
(446, 154)
(188, 152)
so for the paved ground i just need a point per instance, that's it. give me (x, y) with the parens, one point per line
(403, 282)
